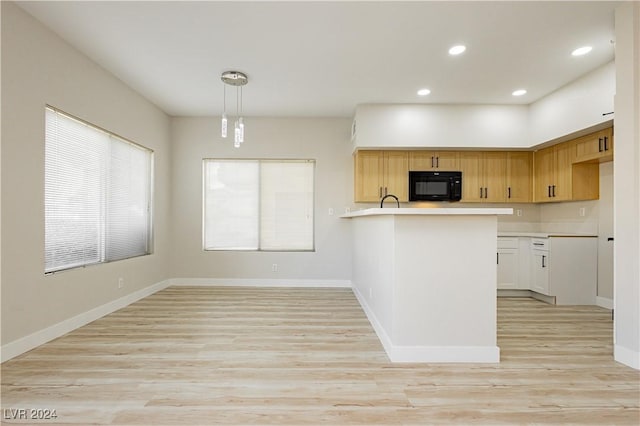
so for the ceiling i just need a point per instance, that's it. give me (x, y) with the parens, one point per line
(324, 58)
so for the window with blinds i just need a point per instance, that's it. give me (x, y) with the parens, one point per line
(97, 195)
(258, 205)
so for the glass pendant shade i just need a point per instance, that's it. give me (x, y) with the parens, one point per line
(236, 135)
(241, 129)
(223, 126)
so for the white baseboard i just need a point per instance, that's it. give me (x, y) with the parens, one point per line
(24, 344)
(259, 282)
(604, 302)
(377, 327)
(446, 354)
(432, 354)
(627, 356)
(509, 292)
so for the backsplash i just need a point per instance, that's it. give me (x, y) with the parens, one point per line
(574, 216)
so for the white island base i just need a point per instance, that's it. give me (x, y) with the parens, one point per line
(426, 279)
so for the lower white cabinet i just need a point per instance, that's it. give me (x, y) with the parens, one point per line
(540, 266)
(564, 267)
(507, 261)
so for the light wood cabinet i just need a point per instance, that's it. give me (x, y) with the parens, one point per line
(433, 160)
(557, 176)
(597, 146)
(484, 176)
(378, 173)
(519, 177)
(553, 172)
(548, 175)
(396, 174)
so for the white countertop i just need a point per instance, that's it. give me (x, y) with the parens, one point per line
(426, 212)
(542, 234)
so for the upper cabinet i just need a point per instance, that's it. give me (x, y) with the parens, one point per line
(552, 172)
(379, 173)
(563, 172)
(519, 177)
(558, 176)
(496, 177)
(433, 160)
(484, 176)
(596, 146)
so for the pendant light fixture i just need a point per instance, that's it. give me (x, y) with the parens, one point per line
(237, 79)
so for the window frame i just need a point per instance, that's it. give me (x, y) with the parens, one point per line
(150, 243)
(311, 161)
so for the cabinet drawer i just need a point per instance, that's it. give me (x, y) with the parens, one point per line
(540, 244)
(507, 243)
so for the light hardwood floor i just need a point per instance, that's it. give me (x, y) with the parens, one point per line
(206, 355)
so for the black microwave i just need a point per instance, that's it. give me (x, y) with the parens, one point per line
(435, 186)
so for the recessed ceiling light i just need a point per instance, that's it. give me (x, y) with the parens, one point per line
(519, 92)
(423, 92)
(581, 51)
(456, 50)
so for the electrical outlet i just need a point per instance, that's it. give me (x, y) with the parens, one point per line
(274, 267)
(582, 211)
(519, 212)
(330, 212)
(120, 282)
(347, 209)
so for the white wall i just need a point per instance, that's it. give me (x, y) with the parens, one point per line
(566, 112)
(442, 126)
(38, 68)
(325, 140)
(626, 195)
(578, 105)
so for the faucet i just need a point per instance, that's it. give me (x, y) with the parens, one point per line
(392, 196)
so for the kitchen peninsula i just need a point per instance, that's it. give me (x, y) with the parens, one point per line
(426, 278)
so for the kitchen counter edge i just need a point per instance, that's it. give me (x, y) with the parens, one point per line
(544, 234)
(427, 212)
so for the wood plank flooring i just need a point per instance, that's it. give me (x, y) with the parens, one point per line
(210, 355)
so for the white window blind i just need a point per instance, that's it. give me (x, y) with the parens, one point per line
(97, 195)
(258, 205)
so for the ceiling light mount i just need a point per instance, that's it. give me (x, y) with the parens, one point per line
(234, 78)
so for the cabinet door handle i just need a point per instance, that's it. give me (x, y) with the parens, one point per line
(553, 191)
(486, 192)
(385, 190)
(549, 191)
(497, 258)
(438, 161)
(480, 192)
(380, 192)
(432, 161)
(509, 192)
(600, 145)
(605, 143)
(543, 258)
